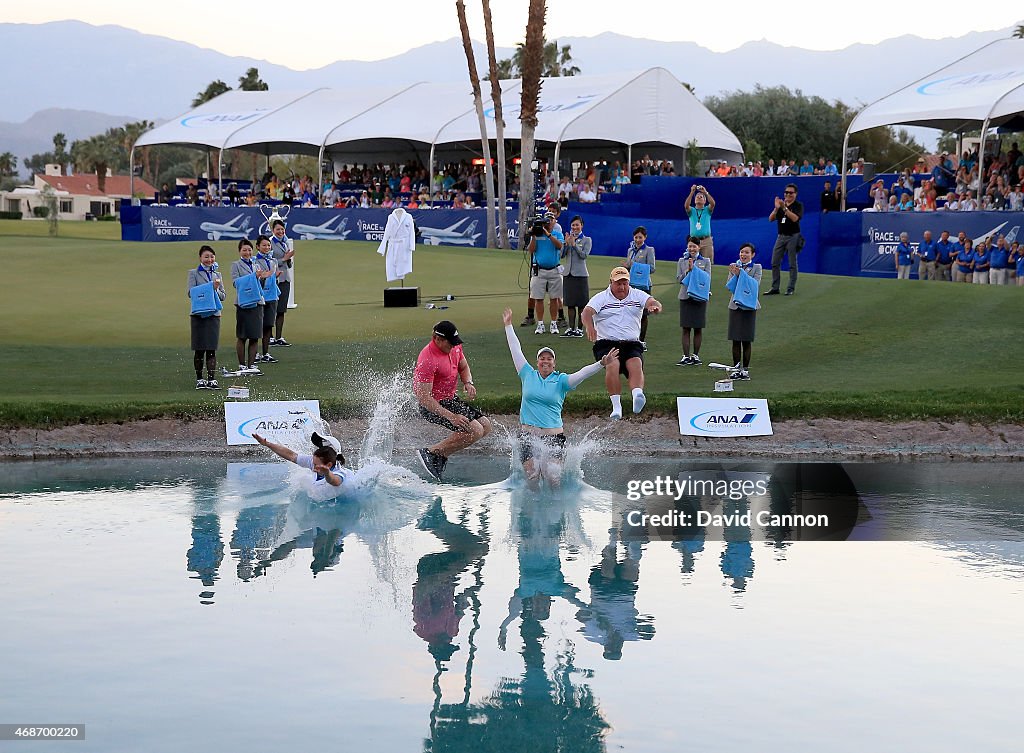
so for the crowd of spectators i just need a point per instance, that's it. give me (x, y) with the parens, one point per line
(955, 186)
(995, 260)
(759, 169)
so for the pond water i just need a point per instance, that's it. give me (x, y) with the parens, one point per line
(210, 605)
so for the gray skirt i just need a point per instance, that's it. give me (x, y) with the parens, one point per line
(741, 325)
(205, 332)
(269, 314)
(693, 314)
(249, 323)
(575, 291)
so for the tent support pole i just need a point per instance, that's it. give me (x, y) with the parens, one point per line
(981, 156)
(430, 174)
(220, 176)
(959, 146)
(842, 175)
(558, 175)
(131, 174)
(320, 177)
(629, 160)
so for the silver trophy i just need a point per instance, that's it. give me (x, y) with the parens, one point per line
(274, 213)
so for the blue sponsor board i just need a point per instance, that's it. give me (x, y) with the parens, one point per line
(435, 227)
(880, 232)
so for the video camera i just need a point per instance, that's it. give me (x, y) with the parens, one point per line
(539, 226)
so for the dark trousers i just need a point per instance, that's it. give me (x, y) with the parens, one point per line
(785, 245)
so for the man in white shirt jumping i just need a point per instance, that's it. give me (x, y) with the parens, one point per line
(612, 320)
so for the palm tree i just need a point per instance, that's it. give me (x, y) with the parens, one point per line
(213, 89)
(501, 168)
(251, 81)
(474, 80)
(1019, 32)
(8, 163)
(60, 151)
(530, 70)
(132, 132)
(93, 155)
(557, 62)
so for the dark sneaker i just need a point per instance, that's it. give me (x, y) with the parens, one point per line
(201, 384)
(282, 343)
(684, 361)
(695, 360)
(211, 384)
(562, 322)
(744, 375)
(528, 321)
(432, 463)
(269, 359)
(568, 333)
(736, 374)
(273, 341)
(790, 292)
(643, 344)
(579, 333)
(771, 292)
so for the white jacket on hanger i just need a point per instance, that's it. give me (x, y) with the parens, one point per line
(397, 245)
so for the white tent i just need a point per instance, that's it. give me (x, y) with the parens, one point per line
(983, 89)
(646, 108)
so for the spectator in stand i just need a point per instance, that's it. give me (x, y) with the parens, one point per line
(968, 203)
(904, 257)
(1015, 199)
(748, 170)
(964, 260)
(894, 204)
(806, 169)
(769, 169)
(857, 168)
(830, 168)
(563, 199)
(980, 263)
(364, 200)
(926, 254)
(945, 250)
(943, 173)
(758, 169)
(192, 195)
(906, 203)
(952, 202)
(587, 195)
(389, 201)
(723, 169)
(999, 262)
(819, 169)
(699, 206)
(782, 170)
(879, 196)
(789, 241)
(164, 194)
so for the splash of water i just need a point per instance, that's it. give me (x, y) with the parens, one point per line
(392, 396)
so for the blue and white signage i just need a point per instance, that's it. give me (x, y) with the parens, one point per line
(287, 422)
(723, 417)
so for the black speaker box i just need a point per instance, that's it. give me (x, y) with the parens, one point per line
(401, 297)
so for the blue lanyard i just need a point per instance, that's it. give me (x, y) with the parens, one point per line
(249, 262)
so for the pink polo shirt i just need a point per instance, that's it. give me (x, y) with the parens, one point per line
(441, 369)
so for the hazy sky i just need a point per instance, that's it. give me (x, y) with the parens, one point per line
(310, 35)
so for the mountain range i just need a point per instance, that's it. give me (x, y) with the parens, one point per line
(76, 72)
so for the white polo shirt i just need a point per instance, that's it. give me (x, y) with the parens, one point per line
(615, 319)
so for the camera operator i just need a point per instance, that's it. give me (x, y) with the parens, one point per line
(544, 247)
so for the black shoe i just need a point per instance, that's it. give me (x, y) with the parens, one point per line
(773, 291)
(528, 321)
(432, 463)
(790, 292)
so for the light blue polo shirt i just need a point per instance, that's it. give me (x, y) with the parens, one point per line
(542, 401)
(700, 222)
(545, 253)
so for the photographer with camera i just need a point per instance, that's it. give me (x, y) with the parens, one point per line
(544, 247)
(698, 206)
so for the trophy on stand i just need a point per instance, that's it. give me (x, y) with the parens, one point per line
(272, 214)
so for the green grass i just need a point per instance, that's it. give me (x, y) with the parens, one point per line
(98, 331)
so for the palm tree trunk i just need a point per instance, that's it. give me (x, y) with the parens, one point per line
(533, 62)
(501, 169)
(474, 80)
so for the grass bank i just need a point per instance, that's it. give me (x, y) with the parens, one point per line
(100, 333)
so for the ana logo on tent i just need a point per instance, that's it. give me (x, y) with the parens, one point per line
(221, 118)
(713, 421)
(952, 84)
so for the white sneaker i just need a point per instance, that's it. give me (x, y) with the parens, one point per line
(540, 329)
(639, 401)
(554, 328)
(616, 414)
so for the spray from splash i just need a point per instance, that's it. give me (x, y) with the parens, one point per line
(392, 396)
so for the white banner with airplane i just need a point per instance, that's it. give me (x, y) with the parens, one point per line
(288, 422)
(723, 417)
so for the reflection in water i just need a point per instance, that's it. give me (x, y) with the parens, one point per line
(522, 662)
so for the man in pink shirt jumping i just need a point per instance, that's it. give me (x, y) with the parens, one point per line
(435, 381)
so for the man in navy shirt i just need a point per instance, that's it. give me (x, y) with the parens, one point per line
(945, 250)
(904, 256)
(926, 253)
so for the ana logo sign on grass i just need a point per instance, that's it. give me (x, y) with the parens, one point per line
(288, 422)
(723, 417)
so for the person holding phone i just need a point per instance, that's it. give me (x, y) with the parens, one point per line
(698, 205)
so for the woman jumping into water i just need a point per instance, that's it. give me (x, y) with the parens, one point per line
(540, 412)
